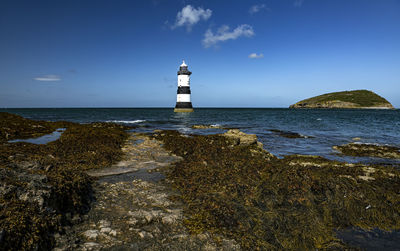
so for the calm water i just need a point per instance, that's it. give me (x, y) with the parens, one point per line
(327, 127)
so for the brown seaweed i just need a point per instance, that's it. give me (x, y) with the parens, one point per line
(43, 185)
(263, 202)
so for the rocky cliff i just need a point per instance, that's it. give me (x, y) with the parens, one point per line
(361, 99)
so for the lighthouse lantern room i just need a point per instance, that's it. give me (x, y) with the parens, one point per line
(183, 103)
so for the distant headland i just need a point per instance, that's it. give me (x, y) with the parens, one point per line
(358, 99)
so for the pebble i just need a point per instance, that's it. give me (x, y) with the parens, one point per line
(91, 234)
(91, 245)
(144, 234)
(105, 230)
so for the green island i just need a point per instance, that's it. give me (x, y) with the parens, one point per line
(232, 192)
(358, 99)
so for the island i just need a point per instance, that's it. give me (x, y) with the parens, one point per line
(358, 99)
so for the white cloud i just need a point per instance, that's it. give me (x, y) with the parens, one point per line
(256, 8)
(255, 55)
(189, 16)
(298, 3)
(48, 78)
(223, 34)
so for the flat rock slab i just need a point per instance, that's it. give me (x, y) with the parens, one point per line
(140, 153)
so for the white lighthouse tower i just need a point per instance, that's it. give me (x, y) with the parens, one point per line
(183, 103)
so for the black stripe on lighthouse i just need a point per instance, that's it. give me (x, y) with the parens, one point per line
(183, 90)
(184, 105)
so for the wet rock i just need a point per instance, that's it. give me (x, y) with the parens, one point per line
(168, 219)
(91, 234)
(144, 234)
(105, 230)
(241, 138)
(91, 245)
(104, 224)
(207, 127)
(113, 233)
(369, 150)
(289, 134)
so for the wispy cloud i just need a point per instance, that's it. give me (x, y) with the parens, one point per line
(255, 55)
(190, 16)
(257, 8)
(224, 33)
(298, 3)
(48, 78)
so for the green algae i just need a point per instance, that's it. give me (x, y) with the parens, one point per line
(297, 202)
(59, 168)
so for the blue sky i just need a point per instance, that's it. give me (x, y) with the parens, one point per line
(242, 53)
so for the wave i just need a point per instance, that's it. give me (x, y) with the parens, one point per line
(126, 121)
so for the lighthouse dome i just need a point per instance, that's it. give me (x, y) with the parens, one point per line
(183, 69)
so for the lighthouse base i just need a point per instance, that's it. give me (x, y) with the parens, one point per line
(183, 107)
(183, 110)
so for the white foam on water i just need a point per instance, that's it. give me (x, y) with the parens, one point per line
(126, 121)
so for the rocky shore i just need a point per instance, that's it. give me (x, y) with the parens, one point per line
(100, 187)
(135, 210)
(44, 187)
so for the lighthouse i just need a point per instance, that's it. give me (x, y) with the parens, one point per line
(183, 103)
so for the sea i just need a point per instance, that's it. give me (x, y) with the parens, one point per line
(321, 129)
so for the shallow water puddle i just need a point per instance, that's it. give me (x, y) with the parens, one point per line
(42, 139)
(142, 174)
(371, 240)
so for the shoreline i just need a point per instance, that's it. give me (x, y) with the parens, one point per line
(224, 172)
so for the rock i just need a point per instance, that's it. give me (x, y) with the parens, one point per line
(104, 224)
(91, 245)
(369, 150)
(133, 221)
(289, 134)
(241, 138)
(91, 234)
(76, 219)
(209, 247)
(144, 234)
(207, 127)
(113, 233)
(105, 230)
(169, 219)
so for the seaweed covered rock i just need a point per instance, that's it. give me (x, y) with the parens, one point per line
(13, 126)
(369, 150)
(289, 134)
(42, 186)
(241, 138)
(297, 202)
